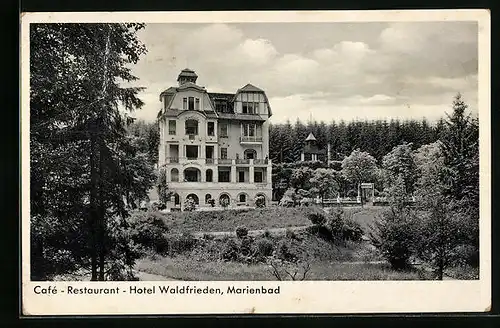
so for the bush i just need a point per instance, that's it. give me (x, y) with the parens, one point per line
(260, 201)
(148, 229)
(317, 218)
(241, 232)
(283, 252)
(395, 237)
(351, 230)
(352, 193)
(266, 234)
(264, 247)
(290, 234)
(189, 205)
(181, 243)
(230, 251)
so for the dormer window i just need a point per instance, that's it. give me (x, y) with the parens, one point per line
(191, 103)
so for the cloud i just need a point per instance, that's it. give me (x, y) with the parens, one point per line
(396, 68)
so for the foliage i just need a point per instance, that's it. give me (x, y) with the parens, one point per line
(189, 204)
(241, 232)
(375, 137)
(359, 167)
(224, 202)
(395, 235)
(317, 218)
(301, 177)
(324, 181)
(181, 243)
(84, 166)
(148, 229)
(162, 187)
(260, 201)
(399, 167)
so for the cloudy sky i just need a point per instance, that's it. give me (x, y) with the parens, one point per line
(324, 70)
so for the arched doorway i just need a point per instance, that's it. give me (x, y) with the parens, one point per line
(194, 197)
(224, 198)
(174, 175)
(250, 154)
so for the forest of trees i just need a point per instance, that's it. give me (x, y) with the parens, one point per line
(376, 137)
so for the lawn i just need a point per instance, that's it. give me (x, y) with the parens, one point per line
(188, 268)
(252, 219)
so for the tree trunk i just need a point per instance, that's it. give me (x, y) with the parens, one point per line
(93, 206)
(102, 221)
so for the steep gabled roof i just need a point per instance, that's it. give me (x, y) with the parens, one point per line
(187, 72)
(250, 88)
(311, 137)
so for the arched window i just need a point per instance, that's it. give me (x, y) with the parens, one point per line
(177, 199)
(208, 197)
(194, 197)
(209, 175)
(191, 127)
(224, 198)
(250, 154)
(242, 198)
(174, 175)
(192, 174)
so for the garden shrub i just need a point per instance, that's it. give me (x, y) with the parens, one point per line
(263, 247)
(260, 201)
(283, 252)
(184, 242)
(317, 218)
(148, 229)
(289, 233)
(266, 234)
(396, 237)
(230, 251)
(241, 232)
(246, 246)
(352, 193)
(189, 205)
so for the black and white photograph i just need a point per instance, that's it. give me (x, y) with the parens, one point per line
(267, 151)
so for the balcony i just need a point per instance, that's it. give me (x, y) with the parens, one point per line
(250, 139)
(242, 161)
(173, 159)
(209, 160)
(225, 161)
(261, 161)
(192, 136)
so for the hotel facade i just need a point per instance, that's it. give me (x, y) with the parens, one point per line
(214, 145)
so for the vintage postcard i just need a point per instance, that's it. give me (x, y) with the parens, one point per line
(255, 162)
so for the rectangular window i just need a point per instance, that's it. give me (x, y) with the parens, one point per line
(211, 129)
(191, 103)
(224, 176)
(184, 103)
(249, 130)
(172, 127)
(223, 153)
(197, 104)
(257, 177)
(191, 127)
(241, 176)
(249, 107)
(192, 152)
(223, 129)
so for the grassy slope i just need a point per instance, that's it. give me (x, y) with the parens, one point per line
(187, 268)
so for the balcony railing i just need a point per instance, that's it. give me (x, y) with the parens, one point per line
(192, 158)
(209, 160)
(250, 139)
(192, 137)
(225, 161)
(242, 161)
(173, 159)
(260, 161)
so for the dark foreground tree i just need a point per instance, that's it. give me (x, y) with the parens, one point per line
(80, 155)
